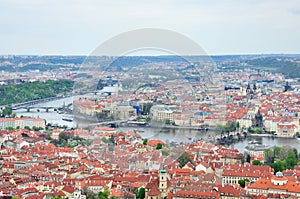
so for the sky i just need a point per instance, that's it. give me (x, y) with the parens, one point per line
(77, 27)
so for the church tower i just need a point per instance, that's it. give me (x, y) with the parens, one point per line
(163, 182)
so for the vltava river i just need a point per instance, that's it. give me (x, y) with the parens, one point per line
(167, 135)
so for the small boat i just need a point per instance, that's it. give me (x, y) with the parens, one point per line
(139, 130)
(253, 142)
(67, 118)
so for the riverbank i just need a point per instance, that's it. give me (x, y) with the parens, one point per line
(261, 135)
(269, 141)
(267, 135)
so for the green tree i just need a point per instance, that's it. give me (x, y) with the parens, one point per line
(7, 111)
(269, 156)
(145, 141)
(250, 130)
(296, 153)
(184, 159)
(159, 146)
(57, 197)
(141, 193)
(10, 128)
(248, 158)
(36, 128)
(242, 182)
(258, 130)
(146, 108)
(105, 140)
(279, 165)
(32, 91)
(256, 162)
(13, 115)
(238, 125)
(165, 151)
(103, 194)
(27, 128)
(168, 122)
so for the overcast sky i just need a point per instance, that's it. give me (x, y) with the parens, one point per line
(72, 27)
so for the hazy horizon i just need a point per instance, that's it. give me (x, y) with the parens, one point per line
(219, 27)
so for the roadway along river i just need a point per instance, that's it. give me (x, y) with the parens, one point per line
(167, 135)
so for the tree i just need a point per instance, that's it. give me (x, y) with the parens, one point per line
(250, 130)
(269, 156)
(296, 153)
(146, 108)
(65, 135)
(242, 182)
(159, 146)
(32, 91)
(231, 125)
(258, 130)
(27, 128)
(141, 193)
(6, 112)
(283, 152)
(279, 165)
(256, 162)
(286, 157)
(35, 128)
(184, 159)
(165, 151)
(103, 194)
(105, 140)
(145, 141)
(10, 128)
(168, 122)
(248, 158)
(238, 125)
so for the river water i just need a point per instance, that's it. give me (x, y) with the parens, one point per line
(52, 116)
(167, 135)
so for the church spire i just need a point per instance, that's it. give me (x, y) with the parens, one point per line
(162, 170)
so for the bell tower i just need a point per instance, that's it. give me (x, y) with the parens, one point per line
(163, 181)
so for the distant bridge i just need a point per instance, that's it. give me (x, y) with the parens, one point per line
(30, 104)
(33, 102)
(229, 137)
(28, 108)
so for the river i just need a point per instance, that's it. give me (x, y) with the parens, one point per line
(167, 135)
(52, 116)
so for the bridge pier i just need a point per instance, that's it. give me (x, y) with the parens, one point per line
(28, 109)
(47, 110)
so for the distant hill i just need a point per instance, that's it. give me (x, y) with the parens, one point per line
(287, 64)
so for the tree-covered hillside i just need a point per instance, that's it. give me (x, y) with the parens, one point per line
(287, 66)
(10, 94)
